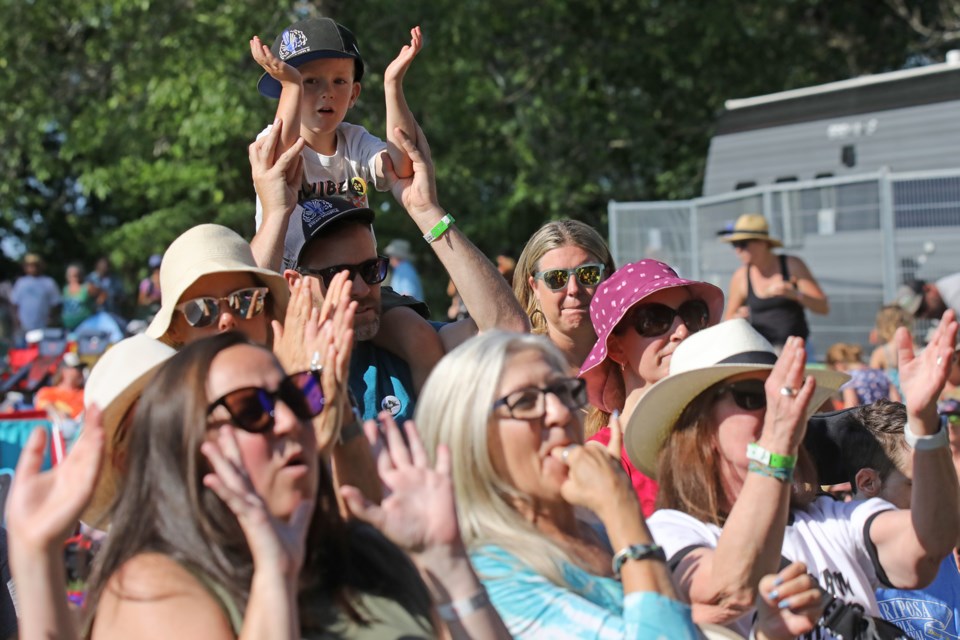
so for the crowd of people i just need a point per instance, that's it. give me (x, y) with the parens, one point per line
(293, 449)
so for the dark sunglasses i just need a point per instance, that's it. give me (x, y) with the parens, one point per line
(244, 303)
(655, 319)
(252, 408)
(372, 271)
(749, 395)
(588, 275)
(740, 244)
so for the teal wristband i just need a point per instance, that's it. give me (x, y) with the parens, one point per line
(777, 473)
(439, 229)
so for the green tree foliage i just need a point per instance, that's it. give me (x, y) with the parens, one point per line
(126, 121)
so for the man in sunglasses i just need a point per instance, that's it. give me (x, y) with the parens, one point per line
(323, 237)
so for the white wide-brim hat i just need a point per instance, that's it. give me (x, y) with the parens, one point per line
(203, 250)
(699, 362)
(115, 383)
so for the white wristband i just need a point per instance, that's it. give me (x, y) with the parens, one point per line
(927, 443)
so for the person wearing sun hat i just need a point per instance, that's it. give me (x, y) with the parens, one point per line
(772, 291)
(738, 493)
(640, 314)
(115, 385)
(211, 283)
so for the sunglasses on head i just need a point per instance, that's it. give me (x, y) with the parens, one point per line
(244, 303)
(655, 319)
(372, 271)
(749, 395)
(253, 408)
(588, 275)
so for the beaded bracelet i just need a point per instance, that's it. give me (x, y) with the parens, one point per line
(777, 473)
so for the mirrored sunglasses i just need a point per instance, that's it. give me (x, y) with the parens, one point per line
(243, 303)
(749, 395)
(588, 275)
(655, 319)
(253, 408)
(372, 271)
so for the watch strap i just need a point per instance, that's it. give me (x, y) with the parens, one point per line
(938, 440)
(637, 552)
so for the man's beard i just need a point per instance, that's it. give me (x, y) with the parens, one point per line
(367, 330)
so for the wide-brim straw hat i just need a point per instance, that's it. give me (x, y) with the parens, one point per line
(750, 226)
(615, 296)
(204, 250)
(699, 362)
(115, 383)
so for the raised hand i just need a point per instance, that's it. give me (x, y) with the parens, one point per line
(418, 193)
(420, 514)
(789, 604)
(922, 376)
(43, 508)
(274, 544)
(789, 391)
(277, 68)
(398, 68)
(276, 179)
(596, 478)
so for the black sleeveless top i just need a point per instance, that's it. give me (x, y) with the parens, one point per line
(779, 317)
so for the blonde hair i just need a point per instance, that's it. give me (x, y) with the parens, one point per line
(843, 352)
(890, 318)
(553, 235)
(455, 409)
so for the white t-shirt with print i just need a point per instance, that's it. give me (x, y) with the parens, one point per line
(828, 536)
(346, 174)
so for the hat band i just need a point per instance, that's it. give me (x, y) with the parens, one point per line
(751, 232)
(751, 357)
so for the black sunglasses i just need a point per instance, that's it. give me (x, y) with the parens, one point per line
(740, 244)
(252, 408)
(749, 395)
(372, 271)
(244, 303)
(655, 319)
(588, 275)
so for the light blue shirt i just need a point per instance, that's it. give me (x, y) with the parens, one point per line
(593, 607)
(405, 281)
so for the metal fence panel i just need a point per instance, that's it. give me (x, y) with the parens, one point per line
(861, 236)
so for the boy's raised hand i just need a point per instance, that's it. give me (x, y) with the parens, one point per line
(277, 68)
(398, 68)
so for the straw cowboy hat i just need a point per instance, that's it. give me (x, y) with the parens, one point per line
(200, 251)
(628, 286)
(750, 226)
(699, 362)
(115, 383)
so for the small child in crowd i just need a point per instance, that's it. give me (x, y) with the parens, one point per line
(866, 385)
(315, 68)
(881, 464)
(889, 319)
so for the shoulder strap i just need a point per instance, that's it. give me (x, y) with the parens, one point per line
(784, 270)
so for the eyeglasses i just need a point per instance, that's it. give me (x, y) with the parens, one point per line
(531, 403)
(252, 408)
(749, 395)
(655, 319)
(740, 244)
(245, 303)
(372, 271)
(588, 275)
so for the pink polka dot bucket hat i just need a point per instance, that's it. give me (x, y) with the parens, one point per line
(629, 285)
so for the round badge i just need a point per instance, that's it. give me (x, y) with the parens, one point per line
(391, 404)
(358, 186)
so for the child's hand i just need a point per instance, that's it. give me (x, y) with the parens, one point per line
(398, 68)
(277, 68)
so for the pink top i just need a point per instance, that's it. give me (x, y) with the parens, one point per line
(645, 486)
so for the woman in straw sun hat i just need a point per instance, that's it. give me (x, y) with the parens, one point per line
(722, 434)
(640, 314)
(770, 290)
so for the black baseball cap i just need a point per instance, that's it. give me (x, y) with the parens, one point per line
(312, 218)
(311, 39)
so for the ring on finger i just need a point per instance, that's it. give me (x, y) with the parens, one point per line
(565, 454)
(788, 392)
(939, 360)
(315, 362)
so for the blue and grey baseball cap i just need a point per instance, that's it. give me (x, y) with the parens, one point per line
(311, 39)
(312, 218)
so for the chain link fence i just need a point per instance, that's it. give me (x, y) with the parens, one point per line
(862, 237)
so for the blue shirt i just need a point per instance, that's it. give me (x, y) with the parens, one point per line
(593, 607)
(933, 612)
(381, 381)
(405, 281)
